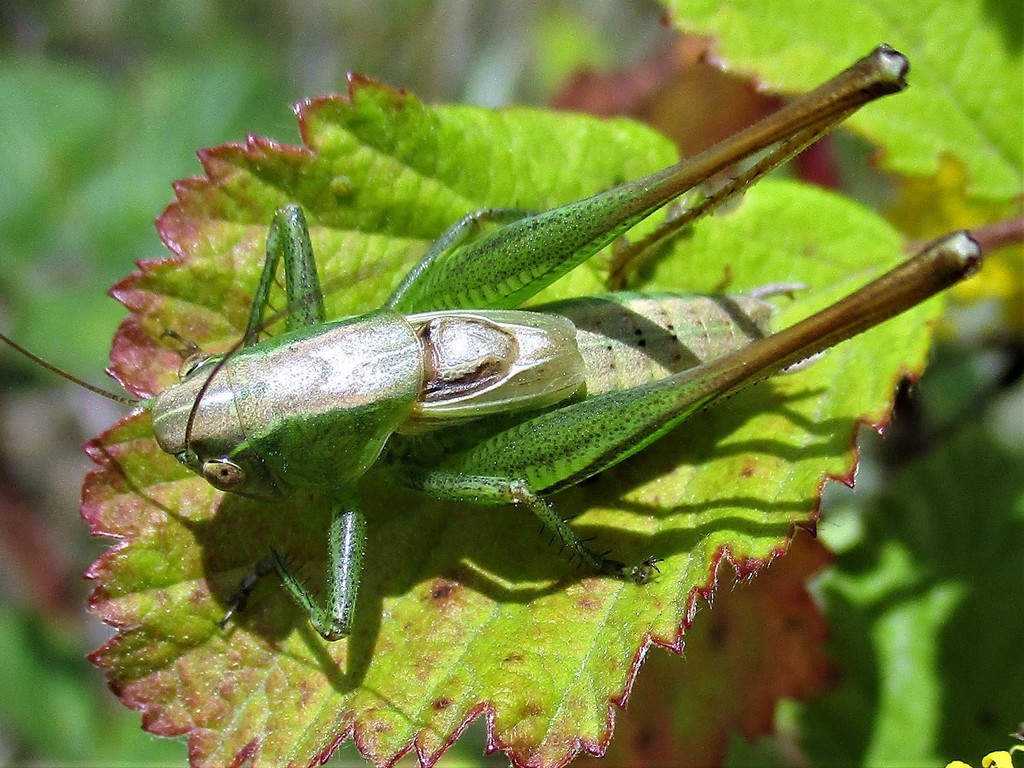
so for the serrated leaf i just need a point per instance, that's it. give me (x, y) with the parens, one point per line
(967, 104)
(463, 611)
(760, 642)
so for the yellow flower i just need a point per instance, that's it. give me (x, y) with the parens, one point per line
(1000, 759)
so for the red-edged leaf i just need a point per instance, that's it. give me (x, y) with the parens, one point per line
(761, 642)
(464, 611)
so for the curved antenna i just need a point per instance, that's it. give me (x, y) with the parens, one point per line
(246, 339)
(205, 386)
(65, 375)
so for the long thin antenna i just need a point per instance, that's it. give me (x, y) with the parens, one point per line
(194, 411)
(65, 375)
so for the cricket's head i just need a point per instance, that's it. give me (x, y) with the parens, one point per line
(195, 421)
(310, 408)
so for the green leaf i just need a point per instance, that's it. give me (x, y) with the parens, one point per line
(966, 104)
(924, 606)
(43, 681)
(463, 611)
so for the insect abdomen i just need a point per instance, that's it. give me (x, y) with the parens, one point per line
(628, 339)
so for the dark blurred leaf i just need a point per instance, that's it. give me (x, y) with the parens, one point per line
(52, 705)
(925, 608)
(757, 643)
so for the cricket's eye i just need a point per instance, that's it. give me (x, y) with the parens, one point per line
(223, 474)
(190, 363)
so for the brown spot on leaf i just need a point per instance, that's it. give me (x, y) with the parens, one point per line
(226, 689)
(306, 694)
(442, 703)
(439, 591)
(442, 589)
(532, 709)
(587, 603)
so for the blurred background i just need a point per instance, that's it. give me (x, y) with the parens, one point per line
(104, 105)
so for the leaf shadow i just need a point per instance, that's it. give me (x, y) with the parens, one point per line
(1008, 18)
(423, 546)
